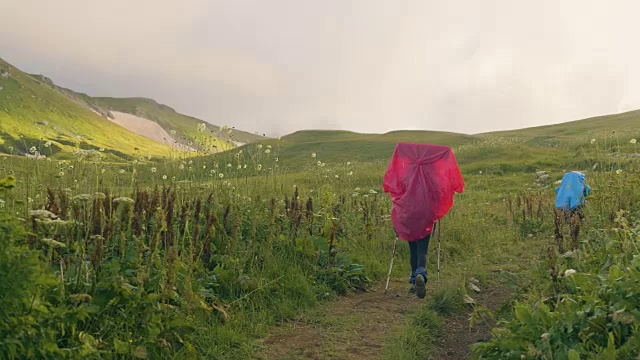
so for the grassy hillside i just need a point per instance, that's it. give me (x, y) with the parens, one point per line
(33, 112)
(185, 127)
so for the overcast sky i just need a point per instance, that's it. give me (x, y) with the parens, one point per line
(277, 66)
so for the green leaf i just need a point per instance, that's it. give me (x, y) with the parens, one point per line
(141, 352)
(573, 355)
(522, 313)
(121, 347)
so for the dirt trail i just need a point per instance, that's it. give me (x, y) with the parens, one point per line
(356, 326)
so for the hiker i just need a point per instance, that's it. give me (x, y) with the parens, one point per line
(570, 196)
(421, 180)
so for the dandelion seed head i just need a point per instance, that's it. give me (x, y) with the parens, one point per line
(569, 272)
(221, 175)
(164, 177)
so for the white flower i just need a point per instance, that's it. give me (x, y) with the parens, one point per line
(593, 141)
(213, 171)
(239, 166)
(337, 176)
(267, 151)
(276, 159)
(313, 155)
(190, 162)
(348, 163)
(268, 146)
(70, 167)
(480, 172)
(569, 272)
(102, 171)
(619, 171)
(259, 167)
(322, 165)
(32, 150)
(124, 200)
(372, 192)
(245, 166)
(221, 175)
(350, 173)
(173, 132)
(61, 173)
(121, 171)
(42, 214)
(181, 167)
(228, 165)
(53, 243)
(101, 149)
(259, 146)
(1, 203)
(204, 167)
(202, 127)
(153, 169)
(173, 178)
(190, 168)
(632, 141)
(319, 163)
(47, 144)
(164, 177)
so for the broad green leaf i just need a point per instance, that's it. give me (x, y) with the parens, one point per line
(573, 355)
(141, 352)
(121, 347)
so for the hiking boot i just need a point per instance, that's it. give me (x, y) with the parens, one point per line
(421, 283)
(412, 279)
(412, 289)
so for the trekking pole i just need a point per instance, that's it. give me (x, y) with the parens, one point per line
(393, 255)
(438, 250)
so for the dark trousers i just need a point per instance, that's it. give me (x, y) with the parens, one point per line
(418, 254)
(573, 218)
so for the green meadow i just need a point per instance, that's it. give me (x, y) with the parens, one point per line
(198, 257)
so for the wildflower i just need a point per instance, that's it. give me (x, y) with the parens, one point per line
(10, 148)
(632, 141)
(221, 175)
(101, 149)
(190, 162)
(173, 178)
(142, 158)
(259, 167)
(245, 166)
(322, 165)
(99, 195)
(42, 214)
(121, 171)
(53, 243)
(70, 167)
(173, 132)
(619, 171)
(204, 167)
(593, 141)
(319, 163)
(48, 143)
(81, 198)
(202, 127)
(123, 200)
(267, 151)
(348, 163)
(350, 173)
(480, 172)
(259, 146)
(268, 146)
(102, 171)
(164, 177)
(61, 174)
(153, 169)
(190, 143)
(239, 166)
(228, 165)
(372, 192)
(190, 168)
(276, 159)
(181, 167)
(32, 150)
(337, 176)
(313, 155)
(2, 204)
(569, 272)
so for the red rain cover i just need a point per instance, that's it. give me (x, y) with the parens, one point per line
(421, 180)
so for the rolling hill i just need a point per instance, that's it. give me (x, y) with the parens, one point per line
(34, 112)
(37, 118)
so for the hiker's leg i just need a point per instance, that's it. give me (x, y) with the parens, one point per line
(559, 223)
(413, 260)
(423, 248)
(576, 219)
